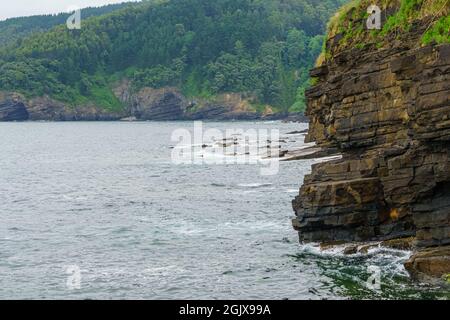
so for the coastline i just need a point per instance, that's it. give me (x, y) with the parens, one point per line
(158, 105)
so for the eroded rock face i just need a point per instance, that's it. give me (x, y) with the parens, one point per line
(388, 112)
(231, 106)
(164, 104)
(12, 108)
(169, 103)
(15, 107)
(47, 109)
(158, 104)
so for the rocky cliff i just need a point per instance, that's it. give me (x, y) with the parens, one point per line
(15, 107)
(387, 111)
(162, 104)
(170, 104)
(12, 108)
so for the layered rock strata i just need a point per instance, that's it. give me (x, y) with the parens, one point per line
(387, 111)
(12, 108)
(162, 104)
(15, 107)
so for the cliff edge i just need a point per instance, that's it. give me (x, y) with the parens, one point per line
(383, 100)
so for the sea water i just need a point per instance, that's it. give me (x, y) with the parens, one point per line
(100, 211)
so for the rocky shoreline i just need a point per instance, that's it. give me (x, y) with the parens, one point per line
(386, 111)
(166, 104)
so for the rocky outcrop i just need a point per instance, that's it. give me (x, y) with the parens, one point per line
(231, 106)
(429, 263)
(158, 104)
(15, 107)
(221, 113)
(12, 108)
(47, 109)
(164, 104)
(387, 111)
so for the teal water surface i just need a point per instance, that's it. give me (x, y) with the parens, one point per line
(107, 199)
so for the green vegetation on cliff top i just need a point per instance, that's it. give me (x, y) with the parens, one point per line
(350, 22)
(263, 48)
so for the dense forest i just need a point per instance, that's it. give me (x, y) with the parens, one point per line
(263, 48)
(15, 29)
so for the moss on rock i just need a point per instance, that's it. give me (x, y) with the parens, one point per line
(347, 28)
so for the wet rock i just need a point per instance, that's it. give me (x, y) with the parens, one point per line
(365, 248)
(298, 132)
(330, 244)
(400, 244)
(429, 263)
(350, 250)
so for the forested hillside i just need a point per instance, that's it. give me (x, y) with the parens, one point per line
(14, 29)
(262, 48)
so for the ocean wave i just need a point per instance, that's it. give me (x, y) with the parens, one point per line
(254, 185)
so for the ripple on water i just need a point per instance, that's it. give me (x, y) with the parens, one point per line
(106, 197)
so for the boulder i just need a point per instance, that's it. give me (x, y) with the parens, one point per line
(431, 262)
(351, 250)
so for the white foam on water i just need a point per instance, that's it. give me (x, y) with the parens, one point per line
(190, 146)
(390, 261)
(163, 271)
(338, 250)
(254, 185)
(245, 225)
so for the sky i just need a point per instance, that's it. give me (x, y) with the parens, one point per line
(20, 8)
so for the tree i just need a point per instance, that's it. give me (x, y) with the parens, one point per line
(260, 47)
